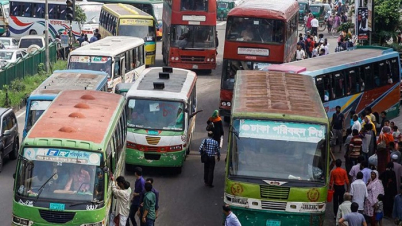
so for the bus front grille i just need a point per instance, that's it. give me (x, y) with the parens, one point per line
(56, 217)
(267, 205)
(152, 140)
(274, 192)
(192, 58)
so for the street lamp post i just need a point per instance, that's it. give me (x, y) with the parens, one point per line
(47, 36)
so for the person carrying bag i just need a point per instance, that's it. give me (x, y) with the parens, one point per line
(208, 149)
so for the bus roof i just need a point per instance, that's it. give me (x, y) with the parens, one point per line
(108, 46)
(76, 115)
(71, 80)
(178, 85)
(273, 9)
(276, 92)
(126, 11)
(339, 59)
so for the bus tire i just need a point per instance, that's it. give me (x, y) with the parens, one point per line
(177, 170)
(33, 32)
(129, 168)
(14, 153)
(188, 149)
(208, 71)
(226, 119)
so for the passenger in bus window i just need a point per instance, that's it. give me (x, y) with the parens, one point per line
(79, 180)
(247, 34)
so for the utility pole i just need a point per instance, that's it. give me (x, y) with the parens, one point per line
(70, 14)
(47, 36)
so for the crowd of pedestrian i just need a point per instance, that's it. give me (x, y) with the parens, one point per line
(369, 188)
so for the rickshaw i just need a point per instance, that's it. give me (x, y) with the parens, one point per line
(223, 8)
(122, 88)
(303, 9)
(321, 12)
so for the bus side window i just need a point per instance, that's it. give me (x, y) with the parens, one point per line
(141, 55)
(395, 71)
(338, 81)
(376, 77)
(368, 76)
(114, 25)
(319, 83)
(351, 81)
(27, 10)
(383, 73)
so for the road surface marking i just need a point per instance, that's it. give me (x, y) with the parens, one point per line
(221, 23)
(23, 113)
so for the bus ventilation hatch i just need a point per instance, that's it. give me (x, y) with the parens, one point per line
(274, 192)
(56, 216)
(152, 140)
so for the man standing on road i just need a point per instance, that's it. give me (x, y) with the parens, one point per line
(149, 215)
(314, 26)
(231, 218)
(156, 192)
(135, 202)
(337, 128)
(358, 190)
(211, 147)
(344, 208)
(356, 168)
(354, 218)
(339, 179)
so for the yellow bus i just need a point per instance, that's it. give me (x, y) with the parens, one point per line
(126, 20)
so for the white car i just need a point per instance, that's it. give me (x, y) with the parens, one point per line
(11, 56)
(29, 40)
(9, 43)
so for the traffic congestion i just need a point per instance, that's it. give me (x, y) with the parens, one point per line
(201, 112)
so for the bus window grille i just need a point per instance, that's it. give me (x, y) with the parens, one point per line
(56, 217)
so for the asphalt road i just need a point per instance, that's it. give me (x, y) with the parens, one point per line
(184, 200)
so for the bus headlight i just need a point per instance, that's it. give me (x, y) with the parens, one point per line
(176, 58)
(236, 201)
(21, 221)
(172, 58)
(228, 104)
(208, 59)
(223, 103)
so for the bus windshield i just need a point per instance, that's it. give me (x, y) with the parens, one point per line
(256, 30)
(131, 28)
(36, 109)
(230, 68)
(223, 5)
(256, 148)
(155, 114)
(60, 174)
(92, 12)
(95, 63)
(193, 36)
(315, 9)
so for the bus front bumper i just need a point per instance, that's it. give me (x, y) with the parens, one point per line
(192, 66)
(269, 217)
(155, 159)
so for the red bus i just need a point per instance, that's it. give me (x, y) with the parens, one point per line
(189, 28)
(258, 33)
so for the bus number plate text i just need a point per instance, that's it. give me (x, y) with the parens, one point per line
(273, 223)
(57, 206)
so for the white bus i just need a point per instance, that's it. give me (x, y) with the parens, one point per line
(92, 12)
(162, 105)
(121, 57)
(28, 18)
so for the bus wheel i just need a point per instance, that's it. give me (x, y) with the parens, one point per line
(188, 149)
(129, 168)
(208, 72)
(33, 32)
(226, 119)
(177, 170)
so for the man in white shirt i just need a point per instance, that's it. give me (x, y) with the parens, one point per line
(231, 218)
(300, 54)
(358, 191)
(344, 208)
(314, 26)
(356, 123)
(356, 168)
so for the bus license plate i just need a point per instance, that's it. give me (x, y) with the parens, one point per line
(57, 206)
(273, 223)
(195, 66)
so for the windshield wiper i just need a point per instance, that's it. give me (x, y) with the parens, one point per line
(43, 185)
(96, 202)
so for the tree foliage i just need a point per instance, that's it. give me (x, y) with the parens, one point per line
(80, 15)
(386, 18)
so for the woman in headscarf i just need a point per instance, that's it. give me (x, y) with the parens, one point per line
(374, 188)
(216, 126)
(383, 152)
(367, 120)
(388, 178)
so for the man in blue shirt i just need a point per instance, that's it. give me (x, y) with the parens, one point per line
(397, 210)
(231, 218)
(135, 202)
(211, 147)
(93, 39)
(156, 192)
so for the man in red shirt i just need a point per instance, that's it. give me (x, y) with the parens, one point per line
(339, 178)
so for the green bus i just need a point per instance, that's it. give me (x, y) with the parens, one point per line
(222, 8)
(278, 153)
(67, 158)
(147, 6)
